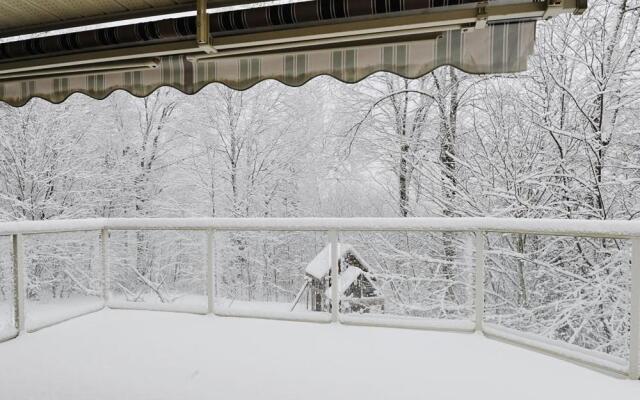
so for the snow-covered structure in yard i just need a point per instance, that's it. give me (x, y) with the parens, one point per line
(357, 289)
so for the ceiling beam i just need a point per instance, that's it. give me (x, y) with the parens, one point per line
(101, 56)
(87, 69)
(115, 17)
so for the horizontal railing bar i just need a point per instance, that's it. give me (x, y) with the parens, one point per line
(560, 350)
(57, 232)
(51, 226)
(12, 336)
(557, 227)
(167, 307)
(389, 321)
(319, 317)
(51, 322)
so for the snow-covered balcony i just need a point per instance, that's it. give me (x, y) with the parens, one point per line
(518, 281)
(120, 354)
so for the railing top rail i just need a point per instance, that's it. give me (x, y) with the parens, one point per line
(51, 226)
(559, 227)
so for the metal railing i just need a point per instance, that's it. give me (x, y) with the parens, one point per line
(479, 227)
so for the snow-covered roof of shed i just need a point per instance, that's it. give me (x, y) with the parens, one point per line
(346, 279)
(320, 266)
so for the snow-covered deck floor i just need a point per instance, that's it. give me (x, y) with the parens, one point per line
(150, 355)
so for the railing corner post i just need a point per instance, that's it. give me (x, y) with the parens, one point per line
(634, 347)
(479, 280)
(210, 272)
(333, 241)
(19, 288)
(106, 270)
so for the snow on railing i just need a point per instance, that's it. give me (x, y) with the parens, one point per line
(332, 226)
(557, 227)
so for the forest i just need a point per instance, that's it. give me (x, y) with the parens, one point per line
(561, 140)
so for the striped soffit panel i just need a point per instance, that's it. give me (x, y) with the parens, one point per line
(291, 43)
(20, 17)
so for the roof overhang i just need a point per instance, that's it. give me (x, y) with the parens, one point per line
(478, 37)
(33, 16)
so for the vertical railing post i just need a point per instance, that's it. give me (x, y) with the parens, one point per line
(479, 290)
(210, 273)
(634, 349)
(19, 283)
(106, 268)
(333, 241)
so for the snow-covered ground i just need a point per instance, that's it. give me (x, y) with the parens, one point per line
(116, 354)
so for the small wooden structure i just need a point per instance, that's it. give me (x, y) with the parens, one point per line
(357, 290)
